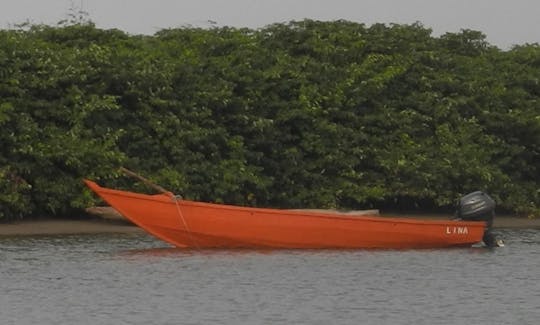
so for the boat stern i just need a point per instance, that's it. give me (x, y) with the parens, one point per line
(478, 206)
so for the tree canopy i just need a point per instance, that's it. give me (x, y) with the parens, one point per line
(301, 114)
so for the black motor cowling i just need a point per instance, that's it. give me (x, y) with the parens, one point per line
(478, 206)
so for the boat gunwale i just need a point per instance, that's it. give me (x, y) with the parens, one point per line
(384, 219)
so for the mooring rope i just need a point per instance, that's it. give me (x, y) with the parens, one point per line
(168, 193)
(175, 198)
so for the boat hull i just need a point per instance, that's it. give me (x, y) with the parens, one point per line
(184, 223)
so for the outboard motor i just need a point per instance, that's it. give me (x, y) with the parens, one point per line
(478, 206)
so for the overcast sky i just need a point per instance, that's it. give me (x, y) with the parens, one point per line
(505, 22)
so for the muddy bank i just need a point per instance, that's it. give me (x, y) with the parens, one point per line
(120, 225)
(66, 227)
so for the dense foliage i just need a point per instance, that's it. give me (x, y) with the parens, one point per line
(303, 114)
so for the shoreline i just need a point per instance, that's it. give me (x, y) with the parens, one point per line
(67, 227)
(123, 226)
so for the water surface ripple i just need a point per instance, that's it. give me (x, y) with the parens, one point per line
(135, 279)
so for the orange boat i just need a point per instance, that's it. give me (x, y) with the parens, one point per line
(184, 223)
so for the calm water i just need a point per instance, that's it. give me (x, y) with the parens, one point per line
(135, 279)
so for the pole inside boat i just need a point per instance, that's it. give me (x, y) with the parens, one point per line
(147, 182)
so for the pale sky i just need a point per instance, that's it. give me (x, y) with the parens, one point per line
(505, 22)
